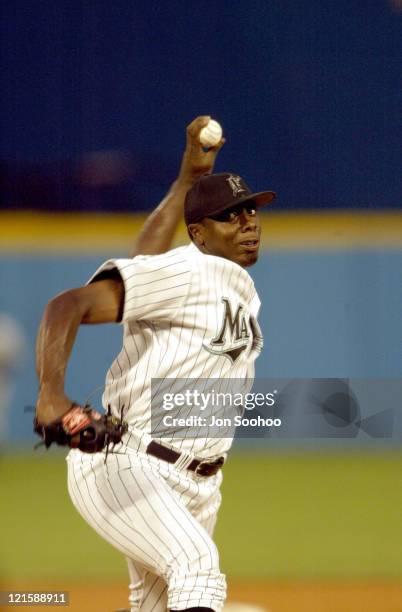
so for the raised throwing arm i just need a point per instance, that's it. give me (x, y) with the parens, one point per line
(156, 236)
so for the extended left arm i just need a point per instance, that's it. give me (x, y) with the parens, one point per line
(58, 419)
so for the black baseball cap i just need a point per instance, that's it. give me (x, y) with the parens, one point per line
(214, 193)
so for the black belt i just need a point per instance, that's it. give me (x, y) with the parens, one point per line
(202, 468)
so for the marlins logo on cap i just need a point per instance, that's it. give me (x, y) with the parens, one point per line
(235, 185)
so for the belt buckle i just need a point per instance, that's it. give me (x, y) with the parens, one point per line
(209, 467)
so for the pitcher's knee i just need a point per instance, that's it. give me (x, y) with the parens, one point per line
(202, 588)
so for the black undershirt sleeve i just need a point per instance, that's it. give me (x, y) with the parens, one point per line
(113, 274)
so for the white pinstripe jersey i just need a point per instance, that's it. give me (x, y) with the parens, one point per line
(174, 327)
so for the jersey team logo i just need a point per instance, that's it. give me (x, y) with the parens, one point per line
(234, 334)
(235, 185)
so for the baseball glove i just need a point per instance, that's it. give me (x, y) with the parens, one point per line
(82, 428)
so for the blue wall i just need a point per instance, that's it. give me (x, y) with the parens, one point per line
(308, 94)
(323, 315)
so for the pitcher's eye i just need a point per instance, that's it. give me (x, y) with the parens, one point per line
(231, 214)
(225, 216)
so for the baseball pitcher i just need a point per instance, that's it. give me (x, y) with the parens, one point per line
(187, 313)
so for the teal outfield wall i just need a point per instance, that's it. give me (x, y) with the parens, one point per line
(324, 314)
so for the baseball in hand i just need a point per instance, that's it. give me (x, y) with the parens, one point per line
(211, 134)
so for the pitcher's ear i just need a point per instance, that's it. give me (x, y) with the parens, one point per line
(196, 233)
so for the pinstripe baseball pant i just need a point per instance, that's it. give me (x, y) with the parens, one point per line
(161, 518)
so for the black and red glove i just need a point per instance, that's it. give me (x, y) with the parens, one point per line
(82, 428)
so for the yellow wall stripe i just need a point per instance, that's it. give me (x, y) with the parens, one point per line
(84, 233)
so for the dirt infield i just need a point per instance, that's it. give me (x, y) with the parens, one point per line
(283, 596)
